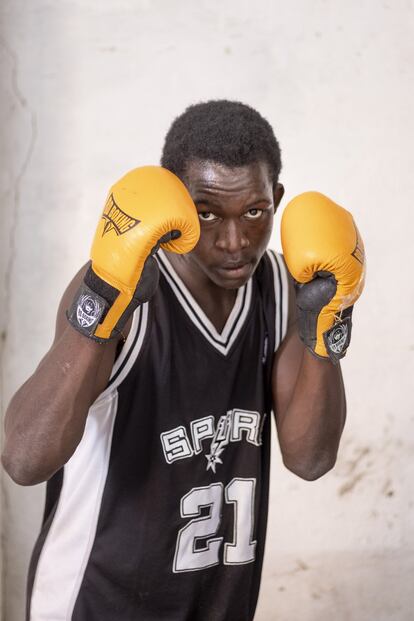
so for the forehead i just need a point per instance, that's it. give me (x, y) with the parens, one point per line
(203, 176)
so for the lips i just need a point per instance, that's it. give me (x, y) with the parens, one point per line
(240, 269)
(233, 266)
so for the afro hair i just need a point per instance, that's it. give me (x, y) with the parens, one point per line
(226, 132)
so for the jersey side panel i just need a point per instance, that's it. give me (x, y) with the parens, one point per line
(53, 490)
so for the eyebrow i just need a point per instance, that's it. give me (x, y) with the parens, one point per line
(206, 202)
(209, 203)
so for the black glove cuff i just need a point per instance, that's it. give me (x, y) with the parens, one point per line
(100, 287)
(90, 305)
(86, 312)
(310, 299)
(95, 297)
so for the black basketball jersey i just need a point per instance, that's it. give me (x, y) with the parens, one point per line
(161, 512)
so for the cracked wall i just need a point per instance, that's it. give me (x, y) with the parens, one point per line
(18, 135)
(88, 91)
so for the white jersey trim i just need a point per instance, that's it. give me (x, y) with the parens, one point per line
(72, 532)
(280, 281)
(130, 350)
(222, 341)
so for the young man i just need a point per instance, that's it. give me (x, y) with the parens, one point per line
(150, 415)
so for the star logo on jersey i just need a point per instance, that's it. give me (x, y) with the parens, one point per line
(220, 440)
(213, 459)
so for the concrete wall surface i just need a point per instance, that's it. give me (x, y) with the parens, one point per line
(88, 91)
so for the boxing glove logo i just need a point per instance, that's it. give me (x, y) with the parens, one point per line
(88, 311)
(116, 219)
(338, 337)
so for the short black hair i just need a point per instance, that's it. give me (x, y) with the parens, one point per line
(221, 131)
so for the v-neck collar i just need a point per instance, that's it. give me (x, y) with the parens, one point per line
(224, 340)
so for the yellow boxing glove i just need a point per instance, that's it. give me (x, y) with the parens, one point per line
(147, 208)
(324, 253)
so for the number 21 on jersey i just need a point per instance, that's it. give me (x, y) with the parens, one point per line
(204, 505)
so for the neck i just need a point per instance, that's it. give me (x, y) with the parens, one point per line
(216, 302)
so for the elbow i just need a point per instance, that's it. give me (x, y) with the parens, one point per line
(310, 470)
(19, 472)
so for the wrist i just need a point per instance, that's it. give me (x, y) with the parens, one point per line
(87, 310)
(73, 338)
(312, 360)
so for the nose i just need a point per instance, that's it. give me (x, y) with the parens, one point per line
(231, 237)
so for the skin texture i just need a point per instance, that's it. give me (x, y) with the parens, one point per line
(46, 417)
(236, 208)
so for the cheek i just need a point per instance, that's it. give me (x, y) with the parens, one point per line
(205, 243)
(260, 236)
(202, 251)
(267, 234)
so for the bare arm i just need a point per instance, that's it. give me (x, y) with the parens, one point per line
(309, 402)
(46, 418)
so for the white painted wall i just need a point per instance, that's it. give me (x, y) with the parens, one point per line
(89, 89)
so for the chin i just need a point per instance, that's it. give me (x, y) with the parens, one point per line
(231, 282)
(231, 286)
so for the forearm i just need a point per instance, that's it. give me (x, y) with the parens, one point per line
(46, 418)
(311, 426)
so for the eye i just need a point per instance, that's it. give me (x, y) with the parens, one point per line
(253, 214)
(207, 216)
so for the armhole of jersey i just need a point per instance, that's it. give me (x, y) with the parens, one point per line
(281, 287)
(130, 350)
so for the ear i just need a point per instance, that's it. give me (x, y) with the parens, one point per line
(278, 192)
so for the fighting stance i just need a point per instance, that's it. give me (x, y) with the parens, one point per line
(150, 415)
